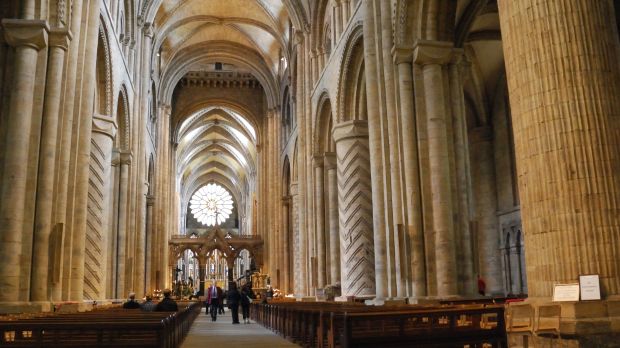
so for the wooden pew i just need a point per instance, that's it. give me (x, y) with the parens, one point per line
(329, 324)
(100, 328)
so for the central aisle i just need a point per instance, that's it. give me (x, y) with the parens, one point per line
(223, 333)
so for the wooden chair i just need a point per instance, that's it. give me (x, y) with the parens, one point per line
(548, 321)
(520, 320)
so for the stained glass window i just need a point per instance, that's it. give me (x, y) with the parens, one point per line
(211, 205)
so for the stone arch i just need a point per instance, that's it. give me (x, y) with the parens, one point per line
(352, 85)
(123, 120)
(103, 91)
(323, 141)
(318, 20)
(288, 121)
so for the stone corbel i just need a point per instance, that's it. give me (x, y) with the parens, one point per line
(26, 32)
(299, 37)
(329, 160)
(148, 30)
(105, 125)
(60, 37)
(427, 52)
(350, 129)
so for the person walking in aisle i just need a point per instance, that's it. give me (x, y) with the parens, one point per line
(246, 299)
(214, 296)
(234, 297)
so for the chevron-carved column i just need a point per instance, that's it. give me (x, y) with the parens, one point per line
(355, 209)
(296, 242)
(104, 130)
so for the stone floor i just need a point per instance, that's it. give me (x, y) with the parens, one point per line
(222, 333)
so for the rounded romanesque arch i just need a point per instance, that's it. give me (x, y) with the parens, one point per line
(352, 84)
(103, 92)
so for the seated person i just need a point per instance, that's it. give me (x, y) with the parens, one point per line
(148, 305)
(167, 304)
(132, 303)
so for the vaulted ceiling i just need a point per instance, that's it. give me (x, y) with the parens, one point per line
(218, 143)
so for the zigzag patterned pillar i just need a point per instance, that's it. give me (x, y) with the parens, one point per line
(355, 209)
(297, 281)
(104, 130)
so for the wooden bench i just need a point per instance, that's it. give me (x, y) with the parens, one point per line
(329, 324)
(101, 328)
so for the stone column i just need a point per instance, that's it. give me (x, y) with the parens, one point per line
(484, 187)
(59, 43)
(346, 13)
(332, 217)
(286, 253)
(202, 266)
(463, 180)
(27, 37)
(376, 154)
(319, 204)
(103, 132)
(77, 229)
(566, 115)
(413, 203)
(355, 205)
(64, 156)
(392, 143)
(150, 201)
(432, 56)
(338, 20)
(297, 247)
(125, 161)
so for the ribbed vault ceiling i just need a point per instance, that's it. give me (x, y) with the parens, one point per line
(219, 143)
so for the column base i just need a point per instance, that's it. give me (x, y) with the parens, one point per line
(25, 307)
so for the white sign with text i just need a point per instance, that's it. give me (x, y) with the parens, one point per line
(566, 292)
(590, 287)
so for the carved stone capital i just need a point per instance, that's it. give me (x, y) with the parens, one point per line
(150, 200)
(350, 129)
(105, 125)
(294, 189)
(402, 54)
(60, 37)
(26, 32)
(427, 52)
(329, 159)
(299, 37)
(317, 161)
(125, 157)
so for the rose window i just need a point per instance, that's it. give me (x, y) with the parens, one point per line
(211, 205)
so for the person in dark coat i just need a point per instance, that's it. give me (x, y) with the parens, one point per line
(131, 303)
(148, 305)
(214, 297)
(167, 304)
(246, 299)
(234, 297)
